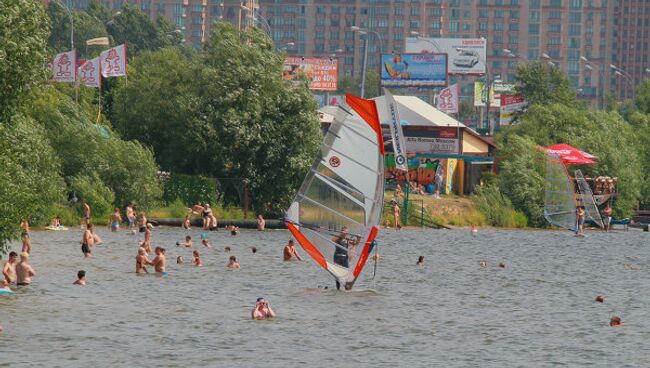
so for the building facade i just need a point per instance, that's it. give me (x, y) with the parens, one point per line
(631, 49)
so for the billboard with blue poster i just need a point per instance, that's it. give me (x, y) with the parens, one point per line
(414, 70)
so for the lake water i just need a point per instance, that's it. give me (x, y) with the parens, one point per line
(538, 311)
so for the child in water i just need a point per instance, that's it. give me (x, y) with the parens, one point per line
(233, 263)
(197, 259)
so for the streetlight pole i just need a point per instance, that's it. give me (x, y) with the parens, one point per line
(367, 32)
(416, 34)
(601, 80)
(488, 86)
(620, 72)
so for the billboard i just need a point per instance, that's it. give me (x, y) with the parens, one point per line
(322, 73)
(511, 107)
(413, 70)
(442, 141)
(466, 55)
(497, 89)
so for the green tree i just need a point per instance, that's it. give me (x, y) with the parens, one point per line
(86, 27)
(23, 31)
(353, 85)
(133, 27)
(642, 96)
(542, 84)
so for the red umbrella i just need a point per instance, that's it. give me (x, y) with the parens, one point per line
(571, 155)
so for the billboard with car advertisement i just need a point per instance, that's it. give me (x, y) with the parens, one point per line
(466, 55)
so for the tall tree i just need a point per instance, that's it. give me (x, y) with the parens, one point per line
(133, 27)
(86, 26)
(543, 84)
(23, 31)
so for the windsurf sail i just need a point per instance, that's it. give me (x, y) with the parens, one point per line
(336, 213)
(587, 200)
(560, 199)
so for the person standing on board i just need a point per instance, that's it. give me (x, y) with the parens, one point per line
(343, 245)
(396, 213)
(85, 208)
(607, 217)
(290, 251)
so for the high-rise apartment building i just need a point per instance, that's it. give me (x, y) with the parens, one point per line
(631, 51)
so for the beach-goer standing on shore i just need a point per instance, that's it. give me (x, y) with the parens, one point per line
(87, 241)
(262, 310)
(396, 214)
(24, 236)
(24, 271)
(9, 268)
(290, 251)
(85, 209)
(159, 263)
(130, 215)
(115, 220)
(261, 223)
(607, 217)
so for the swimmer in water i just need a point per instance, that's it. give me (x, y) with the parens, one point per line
(81, 278)
(502, 265)
(180, 260)
(262, 310)
(87, 241)
(473, 229)
(141, 262)
(159, 262)
(615, 321)
(188, 242)
(600, 299)
(290, 251)
(376, 257)
(186, 223)
(254, 250)
(226, 249)
(116, 218)
(4, 285)
(206, 243)
(483, 264)
(197, 258)
(233, 263)
(420, 261)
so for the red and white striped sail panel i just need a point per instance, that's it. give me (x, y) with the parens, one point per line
(335, 214)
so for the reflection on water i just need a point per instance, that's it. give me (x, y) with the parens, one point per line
(537, 311)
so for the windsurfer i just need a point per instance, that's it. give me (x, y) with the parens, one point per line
(343, 245)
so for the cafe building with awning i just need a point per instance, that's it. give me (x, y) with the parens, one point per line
(436, 143)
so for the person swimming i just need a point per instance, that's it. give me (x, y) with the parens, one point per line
(141, 262)
(420, 261)
(290, 251)
(197, 258)
(81, 278)
(615, 321)
(254, 250)
(233, 263)
(226, 249)
(262, 310)
(179, 260)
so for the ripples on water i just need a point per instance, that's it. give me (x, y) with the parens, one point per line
(538, 311)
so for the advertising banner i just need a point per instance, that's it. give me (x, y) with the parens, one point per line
(413, 70)
(114, 61)
(399, 147)
(448, 99)
(511, 107)
(449, 177)
(89, 73)
(444, 141)
(322, 73)
(497, 89)
(466, 55)
(63, 67)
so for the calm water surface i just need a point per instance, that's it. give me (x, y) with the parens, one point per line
(538, 311)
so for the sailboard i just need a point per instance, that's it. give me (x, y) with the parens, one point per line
(560, 200)
(587, 200)
(337, 210)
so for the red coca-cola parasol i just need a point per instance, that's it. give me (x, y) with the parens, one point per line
(571, 155)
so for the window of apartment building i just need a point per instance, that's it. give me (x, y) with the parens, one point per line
(534, 16)
(399, 23)
(178, 8)
(436, 24)
(398, 36)
(178, 20)
(145, 6)
(483, 2)
(575, 4)
(483, 26)
(161, 8)
(574, 42)
(467, 27)
(555, 15)
(197, 8)
(496, 64)
(555, 54)
(415, 11)
(319, 47)
(454, 3)
(197, 33)
(455, 14)
(512, 64)
(533, 54)
(574, 29)
(498, 13)
(399, 10)
(334, 47)
(216, 10)
(498, 26)
(554, 40)
(364, 11)
(483, 13)
(535, 4)
(467, 14)
(382, 23)
(320, 10)
(514, 2)
(348, 60)
(415, 24)
(573, 55)
(320, 35)
(575, 17)
(514, 14)
(336, 10)
(301, 35)
(533, 41)
(498, 2)
(335, 22)
(555, 3)
(302, 23)
(349, 35)
(350, 10)
(497, 40)
(197, 20)
(334, 35)
(513, 40)
(555, 28)
(381, 11)
(454, 26)
(513, 26)
(436, 12)
(573, 67)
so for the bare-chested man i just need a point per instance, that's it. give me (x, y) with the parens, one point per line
(141, 222)
(24, 271)
(85, 207)
(290, 251)
(159, 263)
(9, 269)
(197, 258)
(232, 263)
(130, 215)
(88, 240)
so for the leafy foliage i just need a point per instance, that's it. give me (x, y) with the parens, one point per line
(23, 31)
(95, 192)
(189, 189)
(353, 85)
(541, 84)
(498, 209)
(86, 27)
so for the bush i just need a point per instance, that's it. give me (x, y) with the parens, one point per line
(92, 190)
(497, 208)
(189, 189)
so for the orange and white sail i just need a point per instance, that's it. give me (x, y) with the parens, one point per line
(344, 190)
